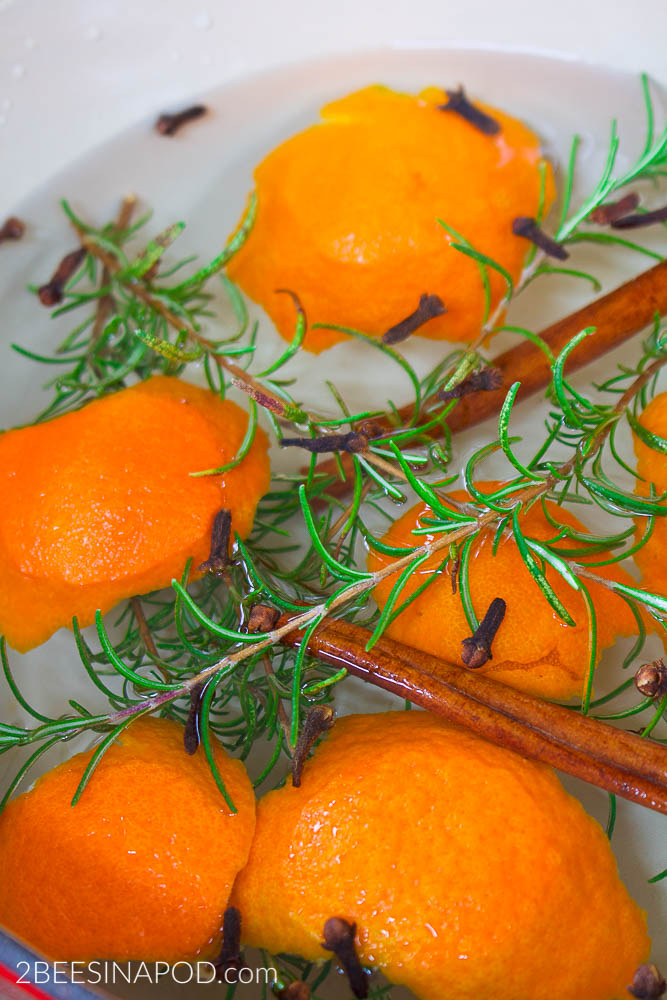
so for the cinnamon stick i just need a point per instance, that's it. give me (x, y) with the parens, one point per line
(617, 316)
(593, 751)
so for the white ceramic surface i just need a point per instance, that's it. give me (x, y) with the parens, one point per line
(203, 176)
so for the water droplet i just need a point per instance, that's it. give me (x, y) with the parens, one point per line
(203, 20)
(29, 42)
(18, 70)
(94, 33)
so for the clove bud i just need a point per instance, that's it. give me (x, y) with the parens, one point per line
(339, 938)
(458, 103)
(429, 307)
(218, 558)
(477, 647)
(51, 293)
(352, 442)
(651, 679)
(191, 731)
(230, 953)
(647, 983)
(262, 618)
(12, 229)
(170, 124)
(318, 721)
(486, 380)
(524, 226)
(612, 210)
(641, 219)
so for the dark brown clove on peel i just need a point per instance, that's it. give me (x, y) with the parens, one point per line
(486, 380)
(477, 648)
(318, 721)
(460, 105)
(170, 124)
(651, 679)
(191, 731)
(218, 558)
(647, 983)
(12, 229)
(230, 953)
(641, 219)
(612, 210)
(429, 307)
(524, 226)
(51, 293)
(339, 938)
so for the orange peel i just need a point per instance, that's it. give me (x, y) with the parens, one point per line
(347, 216)
(468, 870)
(533, 650)
(100, 504)
(142, 866)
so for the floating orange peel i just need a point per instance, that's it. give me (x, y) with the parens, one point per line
(141, 867)
(347, 216)
(100, 504)
(468, 870)
(533, 649)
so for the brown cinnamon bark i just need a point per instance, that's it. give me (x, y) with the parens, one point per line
(617, 316)
(617, 761)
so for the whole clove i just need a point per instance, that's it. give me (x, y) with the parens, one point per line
(230, 953)
(12, 229)
(51, 293)
(647, 983)
(191, 738)
(485, 380)
(429, 307)
(651, 679)
(524, 226)
(218, 559)
(339, 938)
(477, 647)
(612, 210)
(262, 618)
(170, 124)
(460, 105)
(352, 442)
(641, 219)
(318, 721)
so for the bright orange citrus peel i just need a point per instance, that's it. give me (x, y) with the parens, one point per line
(141, 867)
(534, 650)
(468, 870)
(348, 211)
(99, 504)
